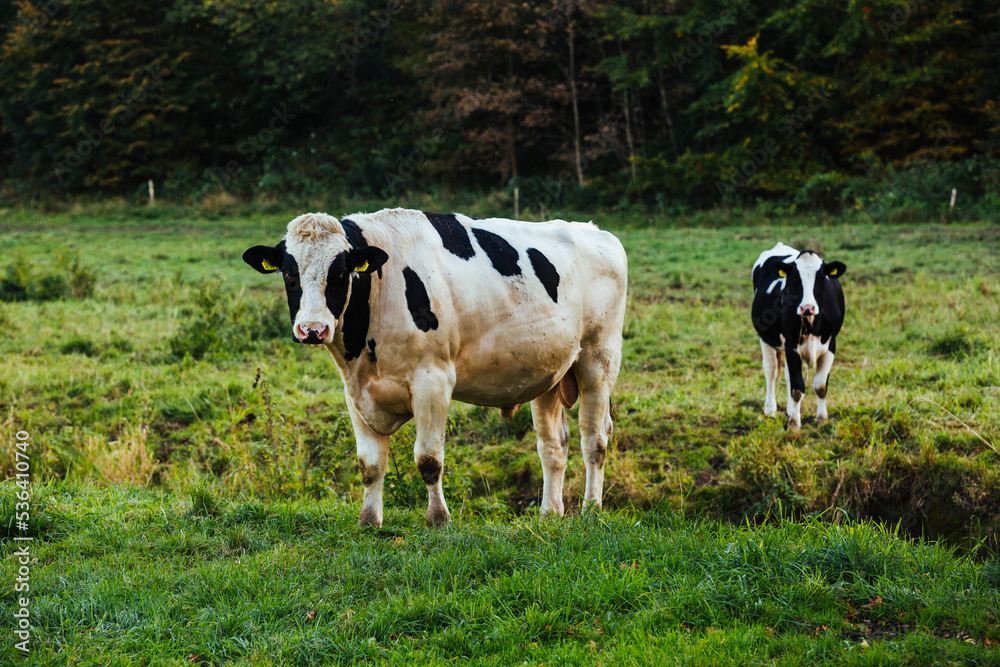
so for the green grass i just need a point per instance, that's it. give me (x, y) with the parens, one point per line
(133, 576)
(202, 488)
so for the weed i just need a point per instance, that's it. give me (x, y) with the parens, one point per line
(126, 460)
(224, 323)
(956, 344)
(239, 540)
(763, 475)
(204, 502)
(16, 284)
(79, 345)
(49, 287)
(22, 283)
(81, 279)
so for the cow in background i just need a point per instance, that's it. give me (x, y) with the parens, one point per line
(798, 309)
(419, 309)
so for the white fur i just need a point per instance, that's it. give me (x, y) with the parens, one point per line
(808, 266)
(772, 361)
(779, 250)
(823, 367)
(500, 341)
(314, 240)
(811, 349)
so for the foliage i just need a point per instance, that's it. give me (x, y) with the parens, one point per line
(70, 278)
(223, 323)
(811, 102)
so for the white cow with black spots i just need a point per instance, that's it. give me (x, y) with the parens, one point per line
(419, 309)
(798, 310)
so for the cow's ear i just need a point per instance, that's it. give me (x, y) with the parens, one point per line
(835, 269)
(366, 260)
(265, 259)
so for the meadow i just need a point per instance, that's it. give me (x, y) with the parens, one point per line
(197, 491)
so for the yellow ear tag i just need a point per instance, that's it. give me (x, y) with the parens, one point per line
(267, 265)
(833, 272)
(362, 268)
(781, 272)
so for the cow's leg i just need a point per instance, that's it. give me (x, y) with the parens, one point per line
(431, 392)
(823, 366)
(771, 363)
(549, 418)
(796, 388)
(373, 450)
(596, 371)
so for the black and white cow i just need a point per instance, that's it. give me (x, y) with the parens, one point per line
(418, 309)
(798, 309)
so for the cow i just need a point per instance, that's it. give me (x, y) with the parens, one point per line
(798, 309)
(418, 309)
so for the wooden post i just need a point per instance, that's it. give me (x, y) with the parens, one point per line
(152, 193)
(951, 206)
(517, 204)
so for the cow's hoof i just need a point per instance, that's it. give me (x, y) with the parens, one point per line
(822, 419)
(370, 517)
(438, 519)
(553, 512)
(794, 424)
(769, 410)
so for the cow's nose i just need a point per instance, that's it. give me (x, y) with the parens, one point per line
(808, 309)
(311, 332)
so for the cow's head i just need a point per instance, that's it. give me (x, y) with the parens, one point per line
(805, 275)
(318, 264)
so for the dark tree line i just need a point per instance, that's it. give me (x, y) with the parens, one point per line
(827, 103)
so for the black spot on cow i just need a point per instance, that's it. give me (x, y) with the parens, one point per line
(358, 313)
(369, 474)
(336, 285)
(353, 233)
(418, 302)
(371, 351)
(454, 235)
(502, 254)
(600, 452)
(356, 317)
(430, 470)
(293, 289)
(821, 391)
(796, 395)
(546, 273)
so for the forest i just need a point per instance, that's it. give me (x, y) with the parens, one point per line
(871, 107)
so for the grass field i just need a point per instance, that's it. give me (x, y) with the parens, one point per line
(201, 491)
